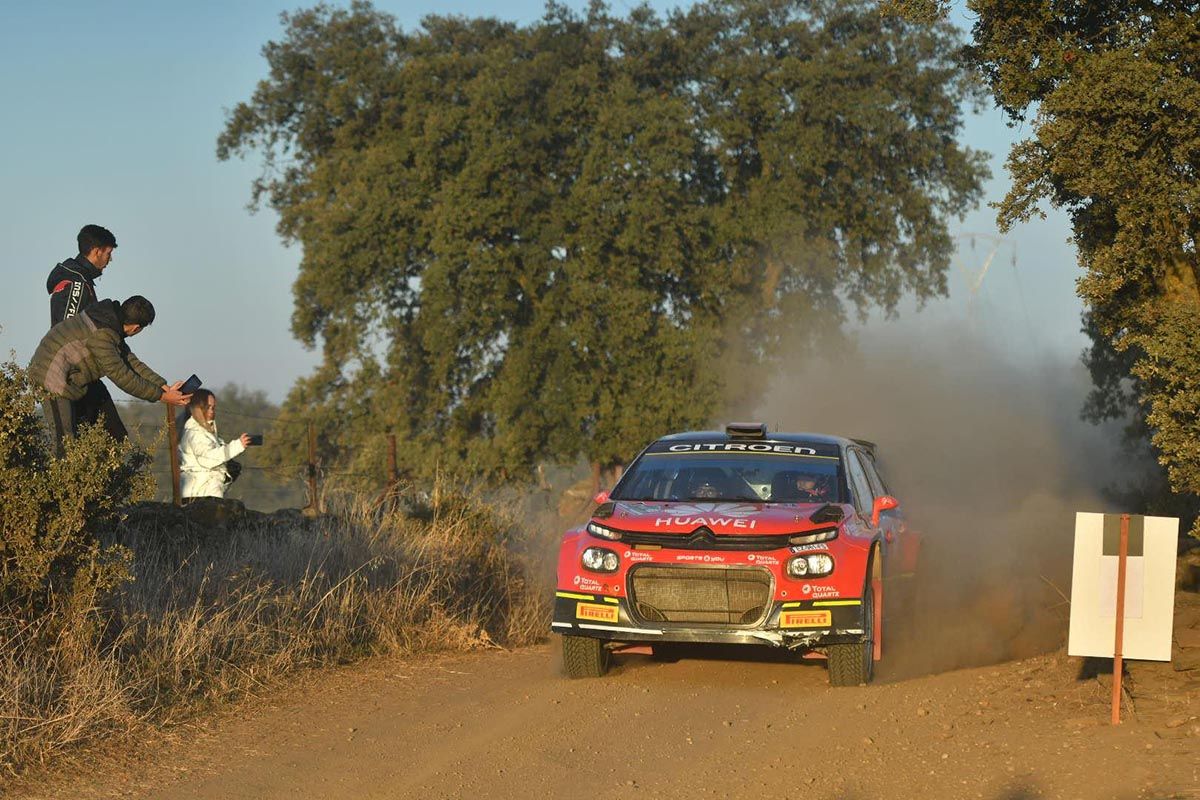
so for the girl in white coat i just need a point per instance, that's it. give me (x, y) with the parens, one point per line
(203, 455)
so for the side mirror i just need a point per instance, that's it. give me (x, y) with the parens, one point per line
(601, 498)
(884, 503)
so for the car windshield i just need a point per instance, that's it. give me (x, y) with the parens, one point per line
(754, 477)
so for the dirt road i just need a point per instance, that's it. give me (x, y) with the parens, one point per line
(506, 724)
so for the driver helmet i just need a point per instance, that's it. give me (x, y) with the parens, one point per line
(703, 486)
(812, 486)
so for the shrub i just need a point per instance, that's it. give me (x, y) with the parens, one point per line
(50, 559)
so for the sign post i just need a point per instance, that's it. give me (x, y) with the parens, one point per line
(1118, 666)
(1123, 591)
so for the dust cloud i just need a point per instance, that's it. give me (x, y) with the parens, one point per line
(989, 460)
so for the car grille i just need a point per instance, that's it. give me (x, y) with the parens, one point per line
(700, 595)
(704, 539)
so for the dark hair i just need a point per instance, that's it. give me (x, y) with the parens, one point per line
(93, 236)
(137, 310)
(199, 401)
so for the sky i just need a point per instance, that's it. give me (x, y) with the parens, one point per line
(111, 114)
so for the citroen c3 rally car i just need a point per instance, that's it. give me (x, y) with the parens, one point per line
(738, 537)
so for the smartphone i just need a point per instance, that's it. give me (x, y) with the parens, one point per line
(190, 385)
(256, 439)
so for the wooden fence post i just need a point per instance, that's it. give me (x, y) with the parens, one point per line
(173, 451)
(313, 502)
(393, 473)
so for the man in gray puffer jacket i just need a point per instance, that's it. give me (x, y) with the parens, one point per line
(90, 346)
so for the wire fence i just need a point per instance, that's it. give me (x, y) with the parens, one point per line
(312, 470)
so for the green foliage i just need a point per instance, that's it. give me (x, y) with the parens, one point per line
(1116, 396)
(51, 507)
(538, 242)
(925, 11)
(1114, 142)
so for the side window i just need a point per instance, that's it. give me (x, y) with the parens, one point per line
(863, 499)
(877, 487)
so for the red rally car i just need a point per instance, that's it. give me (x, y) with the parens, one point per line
(743, 537)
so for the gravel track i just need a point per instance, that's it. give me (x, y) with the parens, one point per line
(715, 723)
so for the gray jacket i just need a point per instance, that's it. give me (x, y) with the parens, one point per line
(87, 347)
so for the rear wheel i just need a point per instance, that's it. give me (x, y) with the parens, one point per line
(584, 657)
(853, 664)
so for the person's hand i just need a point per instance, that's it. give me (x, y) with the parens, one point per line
(244, 439)
(171, 395)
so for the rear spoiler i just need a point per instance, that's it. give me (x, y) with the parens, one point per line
(863, 443)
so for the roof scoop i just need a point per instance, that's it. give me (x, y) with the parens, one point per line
(746, 430)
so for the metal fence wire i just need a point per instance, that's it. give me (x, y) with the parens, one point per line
(313, 472)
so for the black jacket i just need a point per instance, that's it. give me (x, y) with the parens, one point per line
(72, 288)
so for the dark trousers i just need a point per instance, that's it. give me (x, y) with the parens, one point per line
(60, 416)
(96, 407)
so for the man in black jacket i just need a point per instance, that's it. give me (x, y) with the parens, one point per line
(72, 288)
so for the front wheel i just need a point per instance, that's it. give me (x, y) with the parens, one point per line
(854, 664)
(584, 657)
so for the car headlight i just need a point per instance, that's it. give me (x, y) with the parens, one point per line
(597, 559)
(812, 565)
(813, 538)
(596, 529)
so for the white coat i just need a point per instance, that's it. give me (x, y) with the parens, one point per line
(202, 457)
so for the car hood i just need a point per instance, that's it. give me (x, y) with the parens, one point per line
(740, 518)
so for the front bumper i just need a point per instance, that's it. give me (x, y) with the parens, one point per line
(795, 625)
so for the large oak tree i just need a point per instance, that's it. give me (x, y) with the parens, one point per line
(562, 239)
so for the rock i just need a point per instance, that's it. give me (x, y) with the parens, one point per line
(1170, 734)
(215, 512)
(1177, 722)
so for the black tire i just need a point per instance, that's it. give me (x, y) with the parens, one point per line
(584, 657)
(854, 664)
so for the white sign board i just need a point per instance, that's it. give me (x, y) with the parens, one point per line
(1149, 586)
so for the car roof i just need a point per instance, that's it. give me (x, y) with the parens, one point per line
(790, 438)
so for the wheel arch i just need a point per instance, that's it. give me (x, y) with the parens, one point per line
(874, 579)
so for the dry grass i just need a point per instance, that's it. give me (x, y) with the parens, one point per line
(210, 618)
